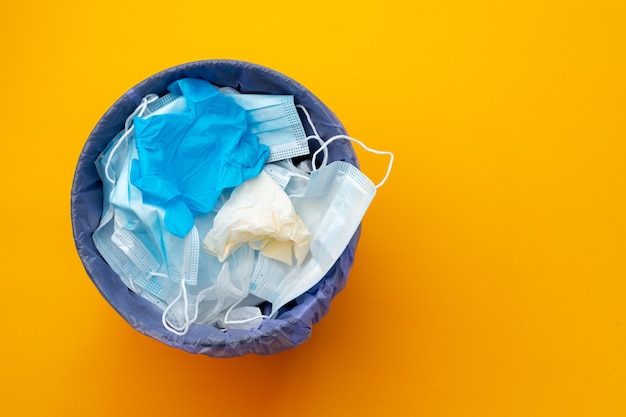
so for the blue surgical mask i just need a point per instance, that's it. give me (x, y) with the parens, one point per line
(275, 121)
(332, 205)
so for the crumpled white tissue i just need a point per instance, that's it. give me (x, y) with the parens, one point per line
(260, 214)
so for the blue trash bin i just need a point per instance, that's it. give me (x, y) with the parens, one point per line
(293, 324)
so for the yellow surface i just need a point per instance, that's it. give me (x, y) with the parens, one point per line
(490, 278)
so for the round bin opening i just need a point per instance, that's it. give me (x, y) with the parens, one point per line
(293, 323)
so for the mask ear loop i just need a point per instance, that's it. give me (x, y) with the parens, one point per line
(242, 321)
(182, 330)
(139, 111)
(334, 138)
(131, 284)
(308, 118)
(316, 136)
(325, 157)
(295, 174)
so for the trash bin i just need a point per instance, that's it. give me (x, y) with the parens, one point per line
(293, 324)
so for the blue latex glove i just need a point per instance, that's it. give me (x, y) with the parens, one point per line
(187, 159)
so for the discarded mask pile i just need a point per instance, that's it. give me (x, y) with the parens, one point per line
(205, 213)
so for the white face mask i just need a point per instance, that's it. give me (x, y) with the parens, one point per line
(331, 205)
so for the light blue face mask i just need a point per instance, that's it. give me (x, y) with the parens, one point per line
(122, 250)
(275, 121)
(331, 204)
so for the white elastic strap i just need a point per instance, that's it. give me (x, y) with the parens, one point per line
(242, 321)
(132, 286)
(295, 174)
(316, 136)
(308, 118)
(139, 111)
(181, 331)
(325, 158)
(334, 138)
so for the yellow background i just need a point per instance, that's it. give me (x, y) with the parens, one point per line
(490, 278)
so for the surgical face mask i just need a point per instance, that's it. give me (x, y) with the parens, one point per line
(134, 271)
(332, 205)
(275, 121)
